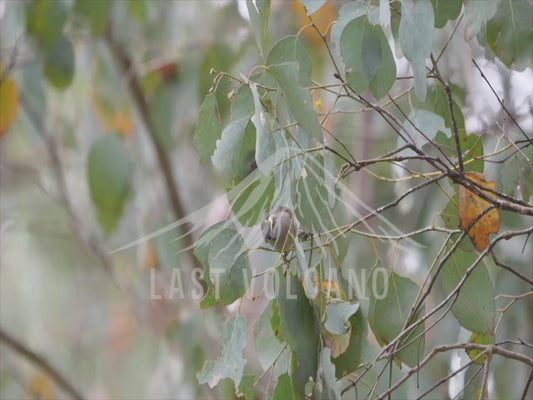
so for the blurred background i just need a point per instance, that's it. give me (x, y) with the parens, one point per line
(62, 293)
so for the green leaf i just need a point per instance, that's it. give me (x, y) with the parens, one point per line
(312, 6)
(229, 148)
(471, 147)
(162, 113)
(331, 388)
(45, 20)
(480, 338)
(416, 39)
(96, 12)
(475, 308)
(201, 250)
(299, 100)
(268, 345)
(264, 142)
(477, 13)
(437, 102)
(290, 48)
(347, 13)
(338, 313)
(299, 327)
(259, 12)
(243, 104)
(349, 361)
(367, 57)
(517, 175)
(109, 173)
(510, 34)
(60, 62)
(229, 265)
(250, 203)
(446, 10)
(390, 304)
(231, 362)
(209, 128)
(428, 123)
(285, 389)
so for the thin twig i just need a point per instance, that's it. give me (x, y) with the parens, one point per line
(40, 362)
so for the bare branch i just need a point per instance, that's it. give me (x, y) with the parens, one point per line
(40, 362)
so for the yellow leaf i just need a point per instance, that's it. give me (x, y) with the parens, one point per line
(9, 101)
(471, 207)
(114, 117)
(40, 387)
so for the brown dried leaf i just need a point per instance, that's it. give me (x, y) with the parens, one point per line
(471, 206)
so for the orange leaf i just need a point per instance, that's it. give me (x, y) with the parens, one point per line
(9, 101)
(471, 206)
(114, 118)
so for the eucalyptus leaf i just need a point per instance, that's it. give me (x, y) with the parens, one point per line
(230, 269)
(231, 362)
(298, 99)
(60, 62)
(109, 173)
(390, 304)
(209, 128)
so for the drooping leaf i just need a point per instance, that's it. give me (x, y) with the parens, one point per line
(510, 33)
(96, 12)
(243, 104)
(331, 389)
(228, 156)
(367, 57)
(286, 389)
(231, 362)
(264, 142)
(416, 39)
(162, 109)
(299, 328)
(259, 12)
(45, 20)
(347, 13)
(298, 99)
(352, 356)
(250, 204)
(201, 250)
(229, 264)
(517, 175)
(109, 173)
(390, 305)
(209, 128)
(477, 13)
(9, 99)
(428, 123)
(60, 62)
(446, 10)
(269, 348)
(475, 219)
(312, 6)
(290, 48)
(384, 13)
(475, 307)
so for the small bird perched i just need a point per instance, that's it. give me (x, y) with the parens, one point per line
(280, 229)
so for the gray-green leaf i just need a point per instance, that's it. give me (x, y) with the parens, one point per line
(231, 362)
(209, 128)
(109, 172)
